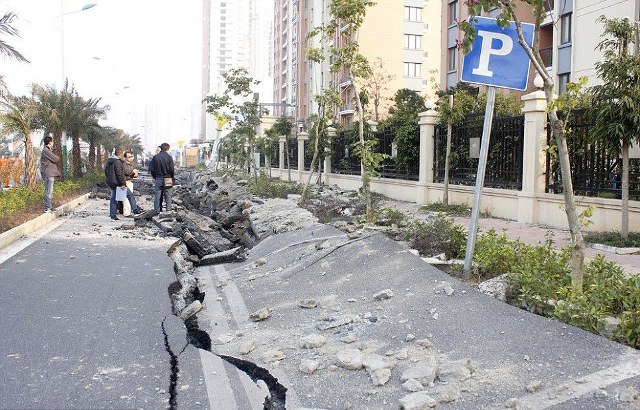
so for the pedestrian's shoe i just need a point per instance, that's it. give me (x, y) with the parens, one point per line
(115, 219)
(48, 211)
(138, 211)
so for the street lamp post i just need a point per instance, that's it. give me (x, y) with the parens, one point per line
(65, 165)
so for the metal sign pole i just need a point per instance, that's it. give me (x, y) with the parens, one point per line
(484, 153)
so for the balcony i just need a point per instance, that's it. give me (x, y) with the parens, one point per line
(344, 82)
(347, 109)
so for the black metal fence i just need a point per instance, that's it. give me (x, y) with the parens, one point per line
(504, 163)
(595, 170)
(343, 160)
(393, 166)
(275, 155)
(293, 154)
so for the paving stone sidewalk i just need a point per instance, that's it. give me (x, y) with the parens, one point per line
(531, 234)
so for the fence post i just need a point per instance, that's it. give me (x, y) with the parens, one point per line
(534, 156)
(331, 133)
(281, 152)
(428, 122)
(302, 137)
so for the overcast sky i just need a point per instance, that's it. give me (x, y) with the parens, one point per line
(151, 46)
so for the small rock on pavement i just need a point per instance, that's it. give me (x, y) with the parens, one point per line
(601, 394)
(383, 294)
(628, 395)
(191, 310)
(261, 314)
(247, 347)
(271, 356)
(417, 401)
(424, 343)
(380, 377)
(350, 338)
(308, 303)
(324, 245)
(497, 287)
(409, 337)
(444, 287)
(313, 341)
(512, 403)
(259, 262)
(350, 359)
(534, 386)
(449, 393)
(308, 366)
(412, 385)
(424, 372)
(455, 371)
(403, 354)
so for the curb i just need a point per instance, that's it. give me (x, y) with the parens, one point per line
(13, 234)
(614, 249)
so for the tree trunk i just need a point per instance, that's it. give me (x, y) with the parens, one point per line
(57, 148)
(92, 157)
(75, 154)
(366, 178)
(30, 176)
(624, 228)
(445, 190)
(314, 159)
(286, 150)
(577, 241)
(98, 157)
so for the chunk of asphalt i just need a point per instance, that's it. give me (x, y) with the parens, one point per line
(176, 334)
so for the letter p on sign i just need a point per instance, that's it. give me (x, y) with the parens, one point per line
(496, 58)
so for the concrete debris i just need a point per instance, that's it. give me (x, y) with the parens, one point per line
(512, 403)
(417, 401)
(271, 356)
(403, 354)
(308, 366)
(335, 322)
(378, 368)
(308, 303)
(424, 343)
(247, 347)
(601, 394)
(232, 255)
(497, 287)
(383, 294)
(628, 395)
(448, 393)
(444, 287)
(191, 310)
(259, 262)
(324, 245)
(312, 341)
(350, 359)
(261, 314)
(412, 385)
(423, 371)
(409, 337)
(350, 338)
(455, 371)
(534, 386)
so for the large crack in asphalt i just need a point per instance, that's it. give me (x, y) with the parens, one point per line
(173, 378)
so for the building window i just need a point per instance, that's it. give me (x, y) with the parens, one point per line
(453, 13)
(452, 59)
(565, 29)
(412, 70)
(563, 79)
(412, 41)
(413, 13)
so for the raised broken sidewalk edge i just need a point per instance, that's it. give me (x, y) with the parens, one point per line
(13, 234)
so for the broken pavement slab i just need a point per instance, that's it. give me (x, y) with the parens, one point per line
(476, 342)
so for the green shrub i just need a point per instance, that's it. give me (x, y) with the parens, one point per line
(390, 217)
(266, 187)
(438, 236)
(614, 239)
(629, 328)
(496, 254)
(451, 210)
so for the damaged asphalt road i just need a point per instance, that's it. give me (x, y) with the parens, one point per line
(85, 308)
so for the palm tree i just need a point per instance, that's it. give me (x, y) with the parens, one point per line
(7, 29)
(93, 136)
(51, 114)
(84, 114)
(20, 117)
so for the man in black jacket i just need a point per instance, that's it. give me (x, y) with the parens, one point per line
(161, 170)
(114, 171)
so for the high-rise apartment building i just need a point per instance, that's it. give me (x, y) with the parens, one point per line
(568, 37)
(241, 37)
(403, 35)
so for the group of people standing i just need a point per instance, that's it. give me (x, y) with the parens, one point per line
(120, 173)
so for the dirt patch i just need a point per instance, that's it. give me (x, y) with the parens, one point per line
(35, 209)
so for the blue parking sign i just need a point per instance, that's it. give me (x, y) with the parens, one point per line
(496, 58)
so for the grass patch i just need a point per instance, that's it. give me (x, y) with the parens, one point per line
(266, 187)
(451, 210)
(21, 204)
(614, 239)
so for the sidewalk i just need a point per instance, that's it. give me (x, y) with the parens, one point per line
(531, 234)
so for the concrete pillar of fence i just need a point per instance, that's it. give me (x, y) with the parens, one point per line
(428, 122)
(534, 157)
(302, 137)
(281, 153)
(373, 125)
(331, 134)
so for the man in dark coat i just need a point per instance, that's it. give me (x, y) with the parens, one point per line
(161, 169)
(49, 171)
(116, 179)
